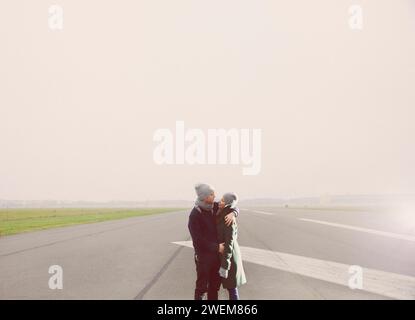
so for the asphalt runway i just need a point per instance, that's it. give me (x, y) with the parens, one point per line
(288, 254)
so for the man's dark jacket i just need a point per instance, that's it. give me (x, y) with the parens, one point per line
(202, 227)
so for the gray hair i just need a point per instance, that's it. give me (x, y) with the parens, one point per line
(203, 191)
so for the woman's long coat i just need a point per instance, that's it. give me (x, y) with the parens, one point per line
(231, 258)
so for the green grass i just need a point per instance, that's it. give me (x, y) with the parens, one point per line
(14, 221)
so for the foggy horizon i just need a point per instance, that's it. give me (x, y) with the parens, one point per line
(379, 197)
(79, 106)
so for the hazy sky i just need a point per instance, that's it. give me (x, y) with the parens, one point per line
(79, 106)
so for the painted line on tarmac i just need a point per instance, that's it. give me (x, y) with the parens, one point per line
(262, 212)
(379, 282)
(372, 231)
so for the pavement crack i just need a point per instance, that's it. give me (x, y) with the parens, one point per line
(153, 281)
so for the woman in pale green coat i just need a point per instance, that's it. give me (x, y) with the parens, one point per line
(231, 270)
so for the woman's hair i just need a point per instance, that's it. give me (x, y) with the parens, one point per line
(220, 216)
(231, 199)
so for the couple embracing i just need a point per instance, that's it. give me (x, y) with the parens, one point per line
(213, 228)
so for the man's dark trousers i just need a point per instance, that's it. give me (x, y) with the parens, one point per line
(208, 279)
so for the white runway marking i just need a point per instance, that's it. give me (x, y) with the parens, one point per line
(263, 212)
(372, 231)
(387, 284)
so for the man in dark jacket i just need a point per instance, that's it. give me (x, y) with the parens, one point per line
(202, 227)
